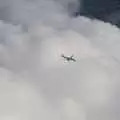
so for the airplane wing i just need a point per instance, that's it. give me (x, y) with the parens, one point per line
(74, 60)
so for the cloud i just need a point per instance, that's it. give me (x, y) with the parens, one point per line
(36, 83)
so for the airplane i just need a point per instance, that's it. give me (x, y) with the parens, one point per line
(68, 58)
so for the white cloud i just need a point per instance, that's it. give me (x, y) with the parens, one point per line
(36, 83)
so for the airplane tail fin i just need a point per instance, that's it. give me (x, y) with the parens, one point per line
(62, 55)
(71, 56)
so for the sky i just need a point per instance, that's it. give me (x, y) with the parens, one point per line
(35, 81)
(106, 10)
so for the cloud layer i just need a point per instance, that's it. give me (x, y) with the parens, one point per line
(36, 83)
